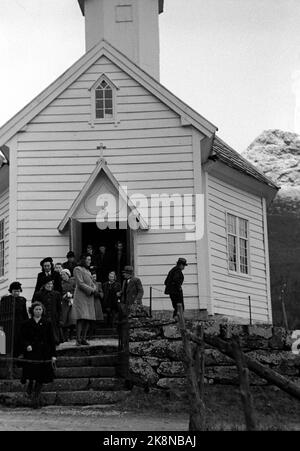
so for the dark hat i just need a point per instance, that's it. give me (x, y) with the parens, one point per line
(128, 269)
(70, 254)
(15, 286)
(182, 261)
(47, 259)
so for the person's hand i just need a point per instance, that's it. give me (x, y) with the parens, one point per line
(53, 359)
(29, 348)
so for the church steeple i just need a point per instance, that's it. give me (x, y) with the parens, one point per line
(129, 25)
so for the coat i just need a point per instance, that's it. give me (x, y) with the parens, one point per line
(173, 283)
(41, 338)
(132, 291)
(6, 320)
(51, 300)
(69, 266)
(84, 301)
(104, 265)
(42, 279)
(68, 317)
(98, 296)
(110, 299)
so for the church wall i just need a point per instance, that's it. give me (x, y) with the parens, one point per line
(147, 150)
(4, 214)
(230, 292)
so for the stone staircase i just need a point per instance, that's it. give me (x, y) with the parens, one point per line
(85, 375)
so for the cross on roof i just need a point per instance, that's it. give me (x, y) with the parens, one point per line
(101, 147)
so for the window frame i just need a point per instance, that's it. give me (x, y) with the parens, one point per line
(106, 120)
(2, 240)
(238, 272)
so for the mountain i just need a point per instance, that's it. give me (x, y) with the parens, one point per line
(277, 154)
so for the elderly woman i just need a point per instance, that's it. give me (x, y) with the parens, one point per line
(38, 344)
(13, 310)
(84, 298)
(51, 300)
(68, 288)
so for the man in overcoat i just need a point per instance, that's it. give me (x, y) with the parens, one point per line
(132, 289)
(174, 282)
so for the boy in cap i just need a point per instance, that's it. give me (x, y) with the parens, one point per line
(174, 283)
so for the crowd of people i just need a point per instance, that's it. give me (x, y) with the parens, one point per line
(74, 296)
(69, 298)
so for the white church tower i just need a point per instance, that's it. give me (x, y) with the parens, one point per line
(131, 26)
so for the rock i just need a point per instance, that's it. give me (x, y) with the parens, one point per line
(279, 339)
(158, 348)
(264, 331)
(275, 357)
(213, 357)
(172, 383)
(171, 369)
(153, 361)
(172, 332)
(142, 334)
(138, 310)
(228, 331)
(140, 368)
(227, 375)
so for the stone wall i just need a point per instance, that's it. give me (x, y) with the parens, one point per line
(156, 351)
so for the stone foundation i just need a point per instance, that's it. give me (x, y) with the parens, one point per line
(156, 351)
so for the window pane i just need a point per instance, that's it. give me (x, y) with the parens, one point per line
(243, 256)
(103, 84)
(108, 103)
(99, 113)
(232, 256)
(2, 229)
(231, 220)
(108, 113)
(243, 228)
(99, 94)
(108, 93)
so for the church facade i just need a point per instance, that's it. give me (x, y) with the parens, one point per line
(107, 135)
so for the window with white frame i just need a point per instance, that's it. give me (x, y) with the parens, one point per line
(238, 244)
(104, 108)
(2, 248)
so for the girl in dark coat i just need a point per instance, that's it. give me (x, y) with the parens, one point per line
(51, 300)
(13, 310)
(38, 347)
(46, 275)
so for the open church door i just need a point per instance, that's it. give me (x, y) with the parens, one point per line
(76, 237)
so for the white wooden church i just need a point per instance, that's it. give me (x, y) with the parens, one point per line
(108, 123)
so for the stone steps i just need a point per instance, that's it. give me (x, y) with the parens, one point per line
(66, 398)
(72, 385)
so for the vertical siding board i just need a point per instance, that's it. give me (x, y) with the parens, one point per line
(4, 214)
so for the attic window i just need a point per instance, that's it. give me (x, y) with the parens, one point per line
(104, 101)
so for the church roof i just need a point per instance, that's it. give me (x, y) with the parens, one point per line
(39, 103)
(224, 153)
(160, 6)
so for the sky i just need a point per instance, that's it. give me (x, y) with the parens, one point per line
(230, 60)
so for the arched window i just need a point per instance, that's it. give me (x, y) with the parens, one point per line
(104, 101)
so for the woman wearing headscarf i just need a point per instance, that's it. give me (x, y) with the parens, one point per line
(51, 300)
(84, 298)
(46, 275)
(68, 288)
(13, 313)
(38, 348)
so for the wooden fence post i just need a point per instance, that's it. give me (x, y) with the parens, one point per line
(246, 396)
(197, 416)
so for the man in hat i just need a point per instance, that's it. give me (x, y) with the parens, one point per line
(132, 289)
(70, 264)
(174, 283)
(46, 275)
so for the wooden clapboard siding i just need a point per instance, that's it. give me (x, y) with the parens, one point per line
(147, 150)
(230, 292)
(4, 214)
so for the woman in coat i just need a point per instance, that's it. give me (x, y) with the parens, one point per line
(68, 288)
(13, 313)
(46, 275)
(38, 347)
(84, 299)
(51, 300)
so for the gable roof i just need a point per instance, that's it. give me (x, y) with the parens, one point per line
(160, 5)
(223, 152)
(101, 166)
(103, 48)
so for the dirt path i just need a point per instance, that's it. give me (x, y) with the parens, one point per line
(88, 419)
